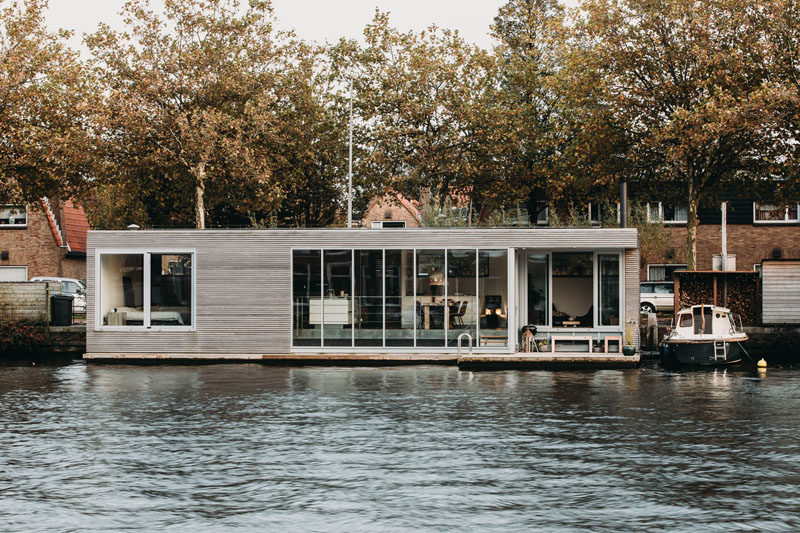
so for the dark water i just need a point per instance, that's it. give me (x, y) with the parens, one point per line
(249, 447)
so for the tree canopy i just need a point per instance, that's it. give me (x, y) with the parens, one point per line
(45, 141)
(204, 113)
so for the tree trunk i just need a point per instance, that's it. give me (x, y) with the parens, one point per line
(691, 230)
(200, 191)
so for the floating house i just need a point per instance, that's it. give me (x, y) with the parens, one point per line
(379, 295)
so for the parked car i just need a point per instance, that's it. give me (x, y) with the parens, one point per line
(71, 287)
(656, 296)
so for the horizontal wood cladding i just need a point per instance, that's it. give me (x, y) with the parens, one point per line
(632, 296)
(241, 242)
(244, 280)
(780, 292)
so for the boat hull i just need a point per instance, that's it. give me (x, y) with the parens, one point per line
(699, 354)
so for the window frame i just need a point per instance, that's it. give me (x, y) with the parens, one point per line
(12, 207)
(379, 224)
(510, 288)
(661, 215)
(662, 265)
(786, 219)
(593, 221)
(147, 282)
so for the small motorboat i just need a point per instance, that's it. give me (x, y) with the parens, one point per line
(705, 335)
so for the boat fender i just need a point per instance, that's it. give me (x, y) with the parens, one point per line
(761, 363)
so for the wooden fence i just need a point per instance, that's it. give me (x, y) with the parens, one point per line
(27, 301)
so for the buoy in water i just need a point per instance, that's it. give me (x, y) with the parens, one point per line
(761, 363)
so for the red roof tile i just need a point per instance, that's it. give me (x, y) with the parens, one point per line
(75, 227)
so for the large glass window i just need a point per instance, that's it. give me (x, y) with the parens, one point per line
(170, 289)
(368, 298)
(493, 297)
(337, 305)
(307, 297)
(572, 289)
(399, 298)
(461, 294)
(122, 289)
(608, 266)
(538, 293)
(400, 304)
(431, 299)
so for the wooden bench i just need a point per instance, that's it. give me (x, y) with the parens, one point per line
(570, 338)
(614, 338)
(486, 339)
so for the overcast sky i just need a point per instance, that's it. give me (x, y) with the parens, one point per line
(316, 20)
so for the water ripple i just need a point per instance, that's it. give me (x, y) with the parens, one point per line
(249, 447)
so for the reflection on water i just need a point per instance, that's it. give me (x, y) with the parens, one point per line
(399, 449)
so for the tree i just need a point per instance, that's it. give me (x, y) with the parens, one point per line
(192, 102)
(529, 33)
(423, 106)
(45, 91)
(678, 91)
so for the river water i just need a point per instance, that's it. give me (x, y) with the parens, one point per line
(422, 448)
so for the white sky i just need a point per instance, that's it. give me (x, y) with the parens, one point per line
(314, 20)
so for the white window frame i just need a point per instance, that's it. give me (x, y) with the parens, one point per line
(476, 348)
(146, 253)
(661, 215)
(15, 207)
(663, 265)
(378, 224)
(596, 328)
(786, 219)
(593, 221)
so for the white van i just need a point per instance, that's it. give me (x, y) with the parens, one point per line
(72, 287)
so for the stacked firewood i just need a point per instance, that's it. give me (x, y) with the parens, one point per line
(737, 291)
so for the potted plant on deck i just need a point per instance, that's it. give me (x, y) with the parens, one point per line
(628, 348)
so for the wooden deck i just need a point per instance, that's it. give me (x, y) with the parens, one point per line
(473, 361)
(547, 360)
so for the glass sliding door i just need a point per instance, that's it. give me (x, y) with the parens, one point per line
(538, 289)
(431, 300)
(493, 298)
(368, 297)
(306, 298)
(573, 289)
(461, 294)
(401, 313)
(608, 290)
(337, 303)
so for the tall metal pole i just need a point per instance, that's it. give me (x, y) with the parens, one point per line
(724, 236)
(350, 165)
(623, 204)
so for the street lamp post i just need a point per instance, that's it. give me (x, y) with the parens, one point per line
(350, 165)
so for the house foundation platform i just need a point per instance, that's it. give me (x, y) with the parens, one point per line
(473, 361)
(546, 360)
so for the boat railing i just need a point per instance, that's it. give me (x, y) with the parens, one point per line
(736, 328)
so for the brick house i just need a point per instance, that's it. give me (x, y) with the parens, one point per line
(755, 231)
(46, 238)
(392, 210)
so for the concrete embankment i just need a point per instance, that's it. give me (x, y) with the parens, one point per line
(779, 345)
